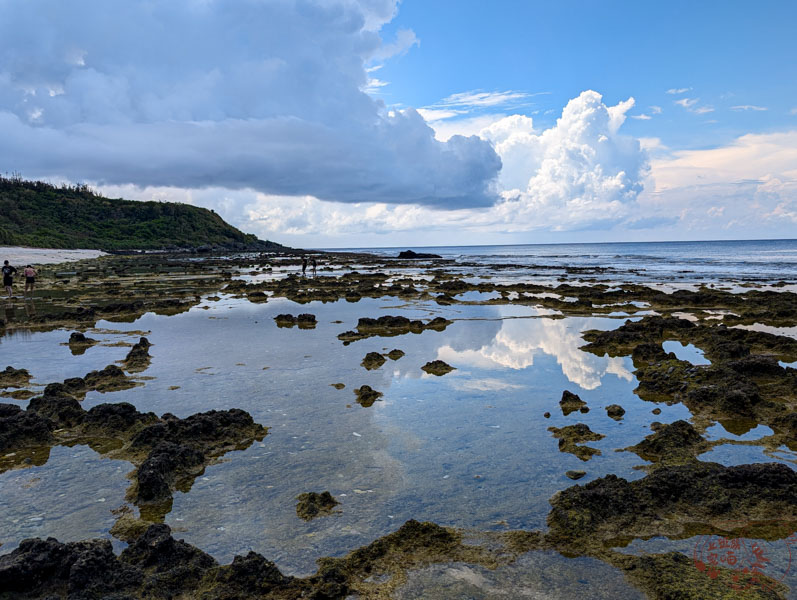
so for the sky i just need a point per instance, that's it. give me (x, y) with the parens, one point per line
(360, 123)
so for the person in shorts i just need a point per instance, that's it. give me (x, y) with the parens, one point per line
(8, 277)
(30, 279)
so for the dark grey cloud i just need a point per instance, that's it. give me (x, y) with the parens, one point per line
(261, 94)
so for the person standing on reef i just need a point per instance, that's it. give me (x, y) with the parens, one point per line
(8, 277)
(30, 279)
(313, 264)
(304, 265)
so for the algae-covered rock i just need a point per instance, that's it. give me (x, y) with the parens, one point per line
(312, 504)
(138, 358)
(373, 360)
(395, 354)
(23, 429)
(615, 411)
(366, 395)
(79, 343)
(437, 367)
(676, 576)
(575, 474)
(14, 378)
(671, 499)
(570, 402)
(571, 436)
(673, 443)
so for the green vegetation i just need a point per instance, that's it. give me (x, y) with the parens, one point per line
(38, 214)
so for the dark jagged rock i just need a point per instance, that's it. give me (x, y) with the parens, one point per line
(570, 402)
(304, 320)
(410, 254)
(373, 360)
(116, 419)
(615, 411)
(395, 354)
(312, 504)
(389, 325)
(163, 468)
(669, 498)
(673, 443)
(109, 379)
(14, 378)
(437, 367)
(63, 411)
(571, 436)
(366, 395)
(79, 343)
(23, 429)
(138, 358)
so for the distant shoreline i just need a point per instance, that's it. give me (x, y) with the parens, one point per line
(18, 255)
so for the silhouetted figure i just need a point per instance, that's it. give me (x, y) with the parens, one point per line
(304, 264)
(313, 263)
(8, 276)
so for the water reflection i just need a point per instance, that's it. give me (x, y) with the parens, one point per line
(518, 341)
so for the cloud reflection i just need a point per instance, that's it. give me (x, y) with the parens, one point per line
(520, 340)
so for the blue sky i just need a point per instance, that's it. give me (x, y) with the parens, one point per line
(728, 54)
(339, 123)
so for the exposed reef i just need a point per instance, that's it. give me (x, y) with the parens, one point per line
(437, 367)
(570, 402)
(373, 360)
(79, 343)
(388, 326)
(14, 378)
(366, 396)
(304, 321)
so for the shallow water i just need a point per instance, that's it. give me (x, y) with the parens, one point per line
(468, 449)
(688, 352)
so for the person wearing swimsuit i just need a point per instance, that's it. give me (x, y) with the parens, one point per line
(30, 279)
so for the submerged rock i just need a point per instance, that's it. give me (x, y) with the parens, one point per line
(437, 367)
(312, 504)
(575, 474)
(571, 436)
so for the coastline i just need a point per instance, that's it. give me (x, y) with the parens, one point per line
(21, 255)
(424, 310)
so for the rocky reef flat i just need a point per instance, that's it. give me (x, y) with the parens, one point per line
(516, 436)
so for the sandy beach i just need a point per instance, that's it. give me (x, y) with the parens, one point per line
(18, 255)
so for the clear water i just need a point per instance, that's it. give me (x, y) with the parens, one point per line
(469, 449)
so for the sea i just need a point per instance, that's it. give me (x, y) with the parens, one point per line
(761, 261)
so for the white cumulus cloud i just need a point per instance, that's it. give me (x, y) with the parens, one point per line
(242, 95)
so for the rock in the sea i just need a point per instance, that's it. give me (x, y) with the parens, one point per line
(572, 436)
(395, 354)
(412, 254)
(437, 367)
(570, 402)
(366, 395)
(16, 378)
(575, 474)
(373, 360)
(138, 358)
(615, 411)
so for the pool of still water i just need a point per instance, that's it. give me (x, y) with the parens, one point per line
(469, 449)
